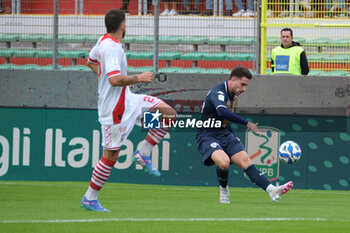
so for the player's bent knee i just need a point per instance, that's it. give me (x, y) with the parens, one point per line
(223, 163)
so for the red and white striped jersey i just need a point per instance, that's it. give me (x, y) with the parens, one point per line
(113, 101)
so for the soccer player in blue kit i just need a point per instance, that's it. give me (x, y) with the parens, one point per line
(221, 146)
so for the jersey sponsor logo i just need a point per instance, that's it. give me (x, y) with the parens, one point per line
(263, 150)
(282, 63)
(151, 120)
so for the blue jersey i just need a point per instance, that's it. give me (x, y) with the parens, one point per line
(218, 96)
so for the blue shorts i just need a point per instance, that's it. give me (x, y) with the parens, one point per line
(208, 142)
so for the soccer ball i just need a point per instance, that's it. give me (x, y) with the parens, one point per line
(289, 152)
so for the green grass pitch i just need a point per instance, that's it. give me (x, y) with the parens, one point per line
(54, 207)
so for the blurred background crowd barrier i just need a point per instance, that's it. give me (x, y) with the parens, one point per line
(198, 36)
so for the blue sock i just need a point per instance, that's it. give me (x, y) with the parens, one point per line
(222, 176)
(257, 177)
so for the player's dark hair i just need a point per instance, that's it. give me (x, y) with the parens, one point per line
(113, 19)
(240, 72)
(287, 30)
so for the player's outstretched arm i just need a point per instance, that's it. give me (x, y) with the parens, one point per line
(124, 80)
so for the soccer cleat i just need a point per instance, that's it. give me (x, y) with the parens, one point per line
(173, 12)
(278, 191)
(224, 195)
(238, 13)
(165, 12)
(92, 205)
(145, 162)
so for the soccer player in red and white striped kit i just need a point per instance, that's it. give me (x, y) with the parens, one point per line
(118, 108)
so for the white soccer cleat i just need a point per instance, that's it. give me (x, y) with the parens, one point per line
(173, 12)
(238, 13)
(165, 12)
(224, 195)
(277, 192)
(248, 13)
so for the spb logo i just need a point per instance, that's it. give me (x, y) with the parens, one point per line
(151, 120)
(263, 150)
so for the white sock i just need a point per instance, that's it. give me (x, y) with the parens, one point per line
(91, 194)
(269, 188)
(145, 148)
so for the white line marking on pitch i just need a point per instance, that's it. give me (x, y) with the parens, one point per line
(189, 188)
(173, 220)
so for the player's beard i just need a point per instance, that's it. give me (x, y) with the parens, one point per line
(124, 34)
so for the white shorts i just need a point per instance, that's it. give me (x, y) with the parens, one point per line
(113, 136)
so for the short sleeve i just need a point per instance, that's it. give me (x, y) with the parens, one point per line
(93, 55)
(113, 61)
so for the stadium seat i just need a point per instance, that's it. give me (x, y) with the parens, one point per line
(318, 42)
(171, 70)
(71, 53)
(131, 69)
(28, 67)
(44, 53)
(7, 52)
(77, 68)
(9, 37)
(193, 56)
(338, 73)
(273, 41)
(318, 57)
(141, 55)
(195, 40)
(248, 40)
(196, 70)
(215, 56)
(31, 38)
(48, 67)
(220, 40)
(171, 39)
(144, 39)
(8, 66)
(339, 58)
(74, 38)
(316, 73)
(25, 53)
(217, 71)
(130, 39)
(49, 38)
(92, 38)
(143, 69)
(341, 43)
(240, 57)
(130, 53)
(300, 40)
(170, 55)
